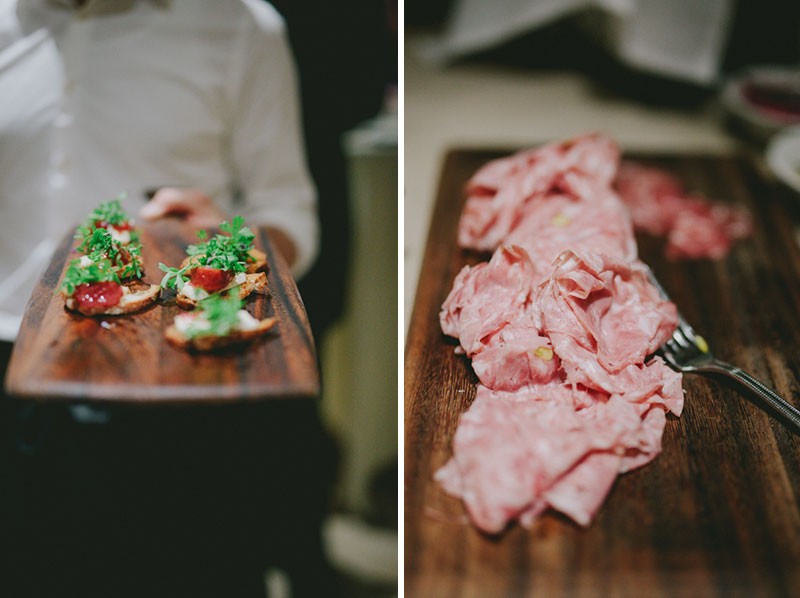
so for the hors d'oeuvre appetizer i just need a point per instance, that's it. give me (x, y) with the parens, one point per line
(106, 279)
(96, 288)
(225, 262)
(219, 321)
(98, 244)
(111, 217)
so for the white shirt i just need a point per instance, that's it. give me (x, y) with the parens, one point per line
(123, 96)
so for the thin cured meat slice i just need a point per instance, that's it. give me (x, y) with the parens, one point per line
(652, 195)
(486, 297)
(560, 325)
(516, 454)
(582, 490)
(706, 230)
(594, 155)
(695, 227)
(516, 356)
(605, 308)
(498, 192)
(556, 223)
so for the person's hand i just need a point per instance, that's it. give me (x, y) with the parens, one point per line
(190, 205)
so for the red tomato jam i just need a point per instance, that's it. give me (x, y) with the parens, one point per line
(96, 297)
(120, 226)
(210, 279)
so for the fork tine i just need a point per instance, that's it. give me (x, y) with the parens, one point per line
(685, 343)
(687, 351)
(687, 330)
(680, 338)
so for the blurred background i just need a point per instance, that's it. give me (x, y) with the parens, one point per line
(657, 75)
(346, 55)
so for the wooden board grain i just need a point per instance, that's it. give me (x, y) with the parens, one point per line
(60, 355)
(717, 513)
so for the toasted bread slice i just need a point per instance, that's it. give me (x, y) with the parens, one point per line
(257, 261)
(212, 342)
(136, 297)
(254, 282)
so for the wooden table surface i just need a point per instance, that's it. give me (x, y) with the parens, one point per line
(60, 355)
(716, 513)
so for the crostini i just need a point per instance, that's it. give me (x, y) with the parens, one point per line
(106, 278)
(225, 262)
(111, 217)
(99, 244)
(220, 321)
(96, 289)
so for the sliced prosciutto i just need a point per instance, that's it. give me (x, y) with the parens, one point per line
(602, 315)
(694, 226)
(486, 297)
(498, 193)
(516, 454)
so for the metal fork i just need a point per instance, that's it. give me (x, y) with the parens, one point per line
(687, 351)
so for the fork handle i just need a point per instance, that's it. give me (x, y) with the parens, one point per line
(788, 411)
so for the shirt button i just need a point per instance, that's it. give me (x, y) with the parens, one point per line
(69, 86)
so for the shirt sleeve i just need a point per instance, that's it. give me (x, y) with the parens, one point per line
(267, 153)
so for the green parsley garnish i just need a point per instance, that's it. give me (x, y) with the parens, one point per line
(100, 271)
(109, 212)
(174, 277)
(230, 252)
(219, 315)
(226, 252)
(98, 244)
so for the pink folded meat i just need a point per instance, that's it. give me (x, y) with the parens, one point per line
(486, 297)
(597, 222)
(694, 226)
(516, 356)
(498, 193)
(556, 419)
(560, 326)
(516, 454)
(603, 318)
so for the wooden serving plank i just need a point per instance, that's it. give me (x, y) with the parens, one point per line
(61, 355)
(717, 513)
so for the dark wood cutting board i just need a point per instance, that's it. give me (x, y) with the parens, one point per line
(60, 355)
(716, 513)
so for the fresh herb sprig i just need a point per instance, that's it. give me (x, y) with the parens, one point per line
(174, 278)
(133, 268)
(219, 315)
(109, 212)
(230, 252)
(99, 271)
(98, 244)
